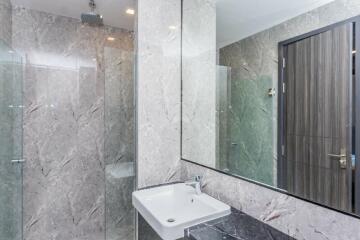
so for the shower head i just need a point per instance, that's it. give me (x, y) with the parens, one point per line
(92, 18)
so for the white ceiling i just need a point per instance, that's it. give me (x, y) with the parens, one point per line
(113, 11)
(238, 19)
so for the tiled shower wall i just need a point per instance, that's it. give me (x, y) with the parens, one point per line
(69, 68)
(5, 20)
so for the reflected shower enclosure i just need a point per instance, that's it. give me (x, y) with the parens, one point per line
(11, 143)
(67, 121)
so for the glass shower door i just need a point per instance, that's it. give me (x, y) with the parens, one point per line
(119, 144)
(10, 144)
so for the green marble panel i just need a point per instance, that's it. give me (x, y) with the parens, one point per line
(10, 144)
(250, 128)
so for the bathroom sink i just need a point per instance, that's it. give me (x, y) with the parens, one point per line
(171, 208)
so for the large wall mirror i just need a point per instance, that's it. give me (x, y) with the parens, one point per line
(270, 94)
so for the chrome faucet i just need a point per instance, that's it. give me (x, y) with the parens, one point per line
(196, 183)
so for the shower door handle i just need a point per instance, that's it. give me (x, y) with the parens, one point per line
(18, 161)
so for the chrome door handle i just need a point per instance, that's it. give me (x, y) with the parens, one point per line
(342, 158)
(17, 160)
(337, 155)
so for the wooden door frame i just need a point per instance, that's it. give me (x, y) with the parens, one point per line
(281, 163)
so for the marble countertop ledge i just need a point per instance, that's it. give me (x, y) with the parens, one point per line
(236, 226)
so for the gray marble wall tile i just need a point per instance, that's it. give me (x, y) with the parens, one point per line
(5, 20)
(158, 91)
(63, 178)
(199, 81)
(64, 130)
(119, 105)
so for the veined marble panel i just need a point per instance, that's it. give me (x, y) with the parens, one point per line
(63, 177)
(250, 128)
(158, 91)
(5, 20)
(119, 105)
(199, 82)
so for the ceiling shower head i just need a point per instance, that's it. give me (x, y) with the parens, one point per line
(92, 18)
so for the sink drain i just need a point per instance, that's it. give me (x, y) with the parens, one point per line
(171, 220)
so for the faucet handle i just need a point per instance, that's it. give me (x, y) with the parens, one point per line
(198, 178)
(196, 183)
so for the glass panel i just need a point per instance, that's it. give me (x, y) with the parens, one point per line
(10, 144)
(250, 123)
(223, 109)
(119, 144)
(245, 124)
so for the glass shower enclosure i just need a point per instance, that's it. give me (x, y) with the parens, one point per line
(11, 154)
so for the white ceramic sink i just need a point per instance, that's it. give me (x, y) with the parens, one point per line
(171, 208)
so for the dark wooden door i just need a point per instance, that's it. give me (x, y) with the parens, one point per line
(317, 117)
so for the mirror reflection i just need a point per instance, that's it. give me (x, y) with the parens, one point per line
(269, 93)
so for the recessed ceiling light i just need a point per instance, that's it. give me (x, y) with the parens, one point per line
(130, 11)
(172, 27)
(110, 38)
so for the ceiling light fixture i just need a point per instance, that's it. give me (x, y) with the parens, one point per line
(110, 38)
(172, 27)
(130, 11)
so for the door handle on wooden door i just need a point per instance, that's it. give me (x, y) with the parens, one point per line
(336, 155)
(342, 158)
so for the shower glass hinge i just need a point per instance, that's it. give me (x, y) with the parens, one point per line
(283, 87)
(283, 62)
